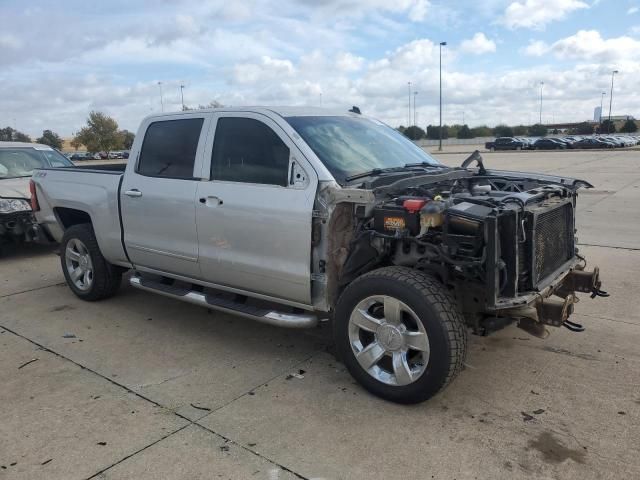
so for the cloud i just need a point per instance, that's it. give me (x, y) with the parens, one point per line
(535, 14)
(478, 44)
(632, 10)
(588, 45)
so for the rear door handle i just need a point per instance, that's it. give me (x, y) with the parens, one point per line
(134, 192)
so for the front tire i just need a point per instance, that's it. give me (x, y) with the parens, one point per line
(87, 272)
(400, 334)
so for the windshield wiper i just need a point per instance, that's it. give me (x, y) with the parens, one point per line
(371, 173)
(379, 171)
(425, 164)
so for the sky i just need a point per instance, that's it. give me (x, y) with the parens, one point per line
(61, 59)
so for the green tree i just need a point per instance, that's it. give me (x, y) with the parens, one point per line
(9, 134)
(537, 130)
(465, 132)
(629, 126)
(433, 132)
(50, 138)
(101, 133)
(584, 128)
(520, 130)
(481, 131)
(503, 131)
(414, 133)
(608, 126)
(127, 139)
(75, 143)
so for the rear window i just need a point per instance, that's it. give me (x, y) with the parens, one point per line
(169, 148)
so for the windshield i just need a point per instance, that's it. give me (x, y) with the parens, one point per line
(21, 162)
(348, 145)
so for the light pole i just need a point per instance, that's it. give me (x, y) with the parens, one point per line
(414, 107)
(182, 96)
(541, 85)
(442, 44)
(161, 101)
(611, 100)
(409, 116)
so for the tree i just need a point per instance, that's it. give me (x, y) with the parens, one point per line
(608, 126)
(414, 133)
(9, 134)
(481, 131)
(101, 133)
(537, 130)
(465, 132)
(50, 138)
(503, 131)
(584, 128)
(520, 130)
(433, 132)
(629, 126)
(127, 138)
(75, 143)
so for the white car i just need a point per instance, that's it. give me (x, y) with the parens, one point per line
(17, 163)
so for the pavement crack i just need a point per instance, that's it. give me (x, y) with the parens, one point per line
(97, 474)
(153, 402)
(6, 295)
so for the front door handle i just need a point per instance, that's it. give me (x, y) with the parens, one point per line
(134, 192)
(211, 201)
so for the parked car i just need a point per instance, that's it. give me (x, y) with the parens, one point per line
(505, 143)
(17, 162)
(261, 213)
(593, 143)
(78, 157)
(549, 144)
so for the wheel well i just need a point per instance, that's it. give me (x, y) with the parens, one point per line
(69, 217)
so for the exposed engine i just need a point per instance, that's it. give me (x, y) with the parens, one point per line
(496, 241)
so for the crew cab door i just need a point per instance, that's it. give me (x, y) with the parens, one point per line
(158, 195)
(254, 214)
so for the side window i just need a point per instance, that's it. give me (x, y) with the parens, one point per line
(247, 150)
(169, 148)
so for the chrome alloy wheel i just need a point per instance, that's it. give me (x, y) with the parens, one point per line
(79, 264)
(388, 340)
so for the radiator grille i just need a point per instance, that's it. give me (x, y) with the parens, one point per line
(553, 240)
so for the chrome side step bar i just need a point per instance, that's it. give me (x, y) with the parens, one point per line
(217, 302)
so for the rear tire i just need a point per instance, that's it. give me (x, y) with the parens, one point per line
(400, 334)
(87, 272)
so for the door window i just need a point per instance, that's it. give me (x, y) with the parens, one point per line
(169, 148)
(247, 150)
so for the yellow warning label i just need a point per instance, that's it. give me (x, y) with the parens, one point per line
(394, 223)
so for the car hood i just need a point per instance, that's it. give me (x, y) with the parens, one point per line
(15, 188)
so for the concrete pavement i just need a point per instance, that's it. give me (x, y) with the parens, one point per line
(144, 387)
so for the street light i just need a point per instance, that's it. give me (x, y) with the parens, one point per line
(182, 96)
(409, 116)
(161, 101)
(611, 100)
(414, 107)
(442, 44)
(541, 85)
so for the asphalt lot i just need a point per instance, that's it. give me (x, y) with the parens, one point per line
(144, 387)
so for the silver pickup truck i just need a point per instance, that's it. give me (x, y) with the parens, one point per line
(290, 216)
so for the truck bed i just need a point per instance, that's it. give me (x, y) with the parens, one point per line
(94, 189)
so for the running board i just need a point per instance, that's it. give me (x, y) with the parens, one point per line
(217, 302)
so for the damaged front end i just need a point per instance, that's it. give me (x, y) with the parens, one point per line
(503, 242)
